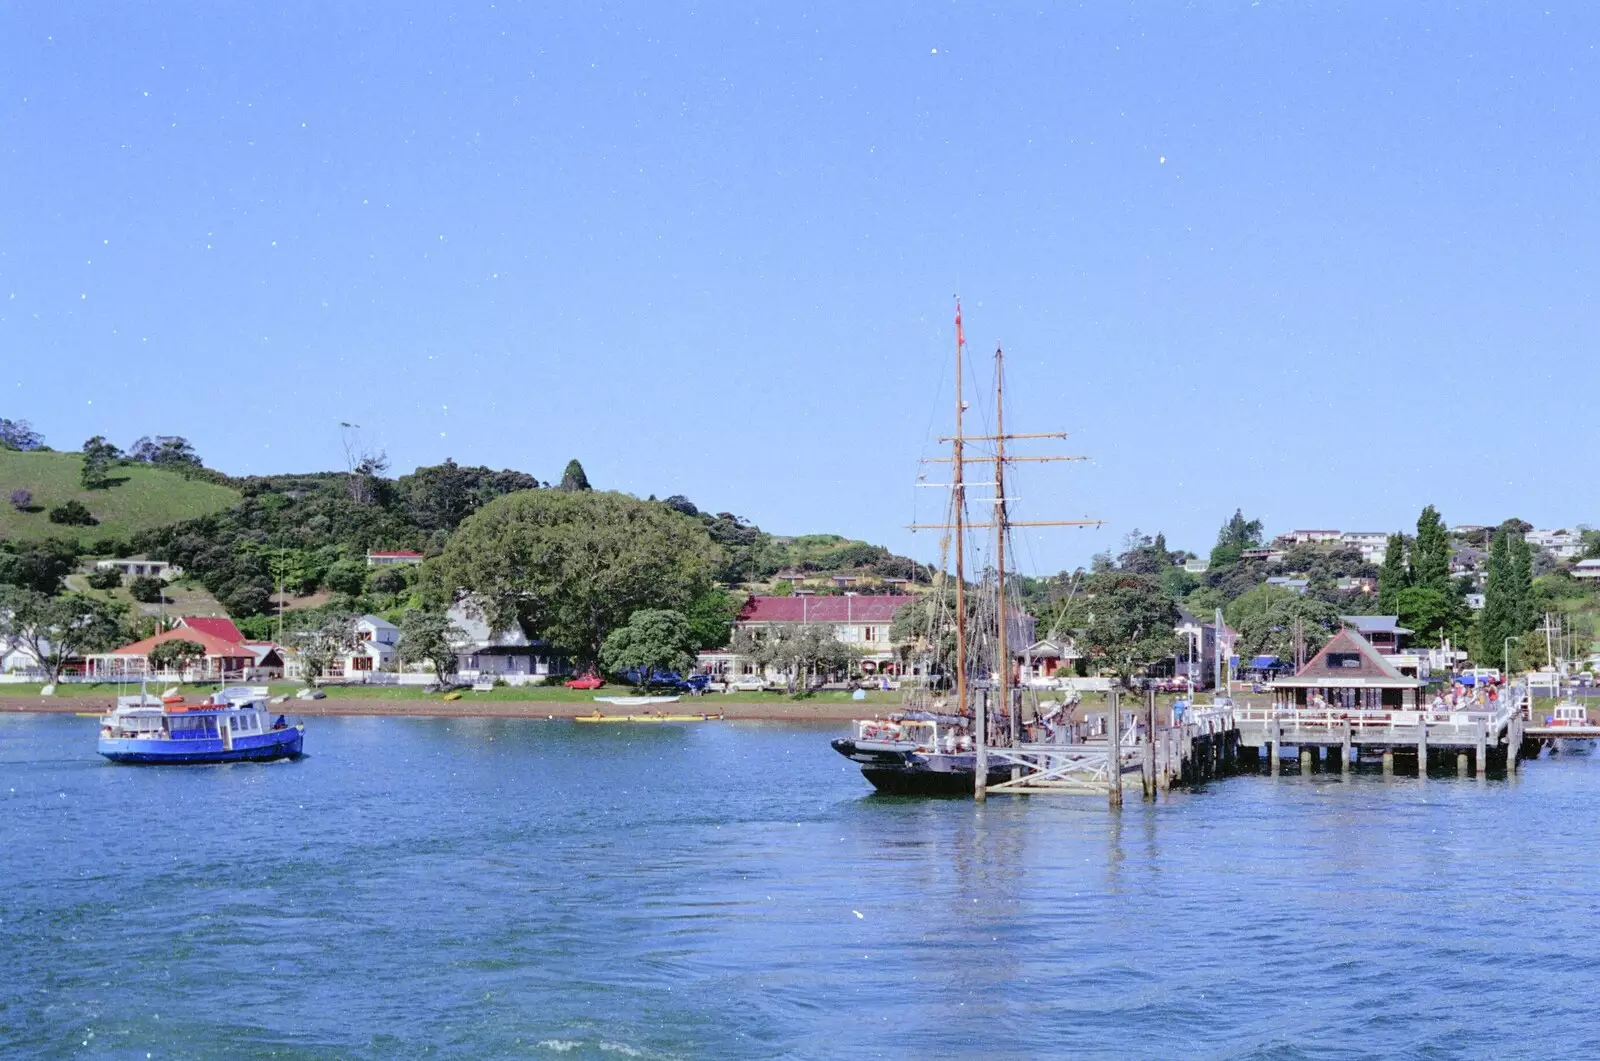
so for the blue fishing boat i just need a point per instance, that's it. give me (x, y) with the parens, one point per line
(234, 725)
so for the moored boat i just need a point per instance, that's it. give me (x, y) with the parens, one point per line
(233, 725)
(916, 754)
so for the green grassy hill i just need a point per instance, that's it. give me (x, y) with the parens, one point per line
(141, 497)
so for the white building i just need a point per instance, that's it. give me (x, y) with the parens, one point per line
(486, 654)
(1564, 543)
(398, 556)
(375, 648)
(1305, 537)
(1586, 569)
(1371, 544)
(134, 567)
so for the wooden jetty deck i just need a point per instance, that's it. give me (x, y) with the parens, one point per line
(1219, 740)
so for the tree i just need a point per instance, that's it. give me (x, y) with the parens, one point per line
(1269, 620)
(176, 655)
(571, 567)
(654, 642)
(1393, 575)
(72, 514)
(40, 566)
(430, 637)
(387, 580)
(321, 645)
(1236, 535)
(711, 617)
(1430, 552)
(21, 499)
(98, 457)
(440, 496)
(53, 630)
(1500, 616)
(799, 651)
(1131, 624)
(573, 479)
(1526, 609)
(146, 590)
(1433, 614)
(166, 450)
(104, 578)
(347, 577)
(19, 434)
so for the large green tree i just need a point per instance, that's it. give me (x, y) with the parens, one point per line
(54, 630)
(573, 479)
(1131, 623)
(653, 642)
(1430, 552)
(711, 617)
(1527, 608)
(1500, 617)
(40, 566)
(571, 567)
(803, 653)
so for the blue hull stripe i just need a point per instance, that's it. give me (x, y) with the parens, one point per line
(264, 747)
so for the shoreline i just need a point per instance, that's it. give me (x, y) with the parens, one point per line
(732, 710)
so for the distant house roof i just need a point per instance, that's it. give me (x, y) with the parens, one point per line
(1588, 565)
(1264, 663)
(1366, 670)
(377, 623)
(213, 645)
(215, 625)
(1375, 624)
(807, 609)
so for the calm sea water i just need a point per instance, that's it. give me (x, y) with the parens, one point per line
(526, 889)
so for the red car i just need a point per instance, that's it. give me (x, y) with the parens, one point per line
(588, 681)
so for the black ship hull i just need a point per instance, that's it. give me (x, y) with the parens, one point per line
(909, 772)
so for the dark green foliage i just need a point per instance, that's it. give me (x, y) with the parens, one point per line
(173, 451)
(19, 434)
(1144, 555)
(1433, 614)
(104, 578)
(1501, 616)
(146, 590)
(1236, 535)
(439, 497)
(653, 642)
(1393, 576)
(1131, 624)
(68, 625)
(38, 566)
(387, 580)
(573, 479)
(72, 514)
(348, 577)
(1265, 619)
(176, 654)
(21, 500)
(98, 457)
(1526, 610)
(1430, 552)
(710, 617)
(430, 637)
(570, 567)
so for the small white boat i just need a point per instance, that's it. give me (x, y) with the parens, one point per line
(636, 701)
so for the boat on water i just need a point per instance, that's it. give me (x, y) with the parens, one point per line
(233, 725)
(635, 701)
(938, 744)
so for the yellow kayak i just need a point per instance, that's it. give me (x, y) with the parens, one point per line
(646, 718)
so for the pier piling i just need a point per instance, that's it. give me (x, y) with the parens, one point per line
(1461, 764)
(1345, 749)
(1388, 762)
(1483, 749)
(1422, 751)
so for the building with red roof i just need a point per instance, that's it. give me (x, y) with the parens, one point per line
(215, 625)
(224, 660)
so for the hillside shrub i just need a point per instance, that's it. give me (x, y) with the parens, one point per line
(146, 590)
(21, 499)
(72, 514)
(104, 578)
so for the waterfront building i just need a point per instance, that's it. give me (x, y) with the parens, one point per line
(486, 654)
(1349, 673)
(861, 621)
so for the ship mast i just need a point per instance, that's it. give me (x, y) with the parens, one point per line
(959, 501)
(1000, 529)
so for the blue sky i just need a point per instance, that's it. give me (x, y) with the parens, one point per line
(1325, 262)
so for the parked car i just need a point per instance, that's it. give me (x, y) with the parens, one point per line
(587, 681)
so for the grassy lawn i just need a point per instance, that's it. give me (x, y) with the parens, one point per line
(141, 497)
(535, 694)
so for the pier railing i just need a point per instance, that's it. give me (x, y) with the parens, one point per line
(1394, 726)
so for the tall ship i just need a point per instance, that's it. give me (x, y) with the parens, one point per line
(236, 724)
(960, 698)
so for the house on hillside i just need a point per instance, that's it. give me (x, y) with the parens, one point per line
(1586, 569)
(1371, 544)
(486, 654)
(1349, 674)
(136, 567)
(397, 556)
